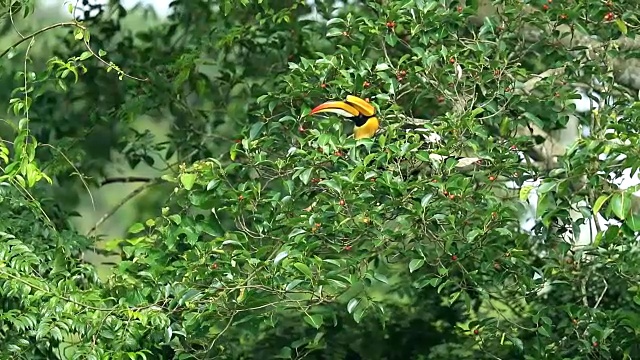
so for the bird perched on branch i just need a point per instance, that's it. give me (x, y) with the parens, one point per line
(355, 109)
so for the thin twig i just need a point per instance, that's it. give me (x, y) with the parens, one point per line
(606, 286)
(119, 205)
(223, 331)
(28, 37)
(126, 179)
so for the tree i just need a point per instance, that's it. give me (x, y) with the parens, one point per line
(284, 237)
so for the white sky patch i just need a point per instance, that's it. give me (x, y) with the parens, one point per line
(160, 6)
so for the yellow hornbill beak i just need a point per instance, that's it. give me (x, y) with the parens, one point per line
(357, 110)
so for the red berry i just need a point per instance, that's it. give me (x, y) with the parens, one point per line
(595, 344)
(323, 85)
(337, 153)
(240, 197)
(476, 332)
(342, 202)
(366, 84)
(301, 128)
(459, 9)
(451, 197)
(491, 178)
(452, 60)
(454, 257)
(214, 266)
(545, 7)
(347, 248)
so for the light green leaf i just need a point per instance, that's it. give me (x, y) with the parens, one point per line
(620, 205)
(187, 180)
(352, 305)
(280, 256)
(633, 222)
(622, 26)
(543, 331)
(599, 202)
(314, 320)
(304, 269)
(415, 264)
(135, 228)
(305, 176)
(331, 184)
(382, 67)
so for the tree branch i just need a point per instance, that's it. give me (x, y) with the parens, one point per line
(127, 179)
(113, 210)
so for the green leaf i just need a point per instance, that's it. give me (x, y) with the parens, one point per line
(633, 222)
(256, 128)
(293, 284)
(525, 191)
(304, 269)
(415, 264)
(622, 26)
(477, 111)
(599, 202)
(135, 228)
(188, 180)
(546, 186)
(620, 205)
(85, 55)
(543, 331)
(176, 218)
(382, 67)
(332, 184)
(352, 305)
(381, 278)
(305, 176)
(314, 320)
(425, 200)
(281, 255)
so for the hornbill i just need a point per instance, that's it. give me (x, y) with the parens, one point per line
(367, 124)
(356, 109)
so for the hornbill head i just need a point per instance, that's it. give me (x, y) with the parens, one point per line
(355, 109)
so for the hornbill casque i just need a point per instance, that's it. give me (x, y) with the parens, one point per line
(357, 110)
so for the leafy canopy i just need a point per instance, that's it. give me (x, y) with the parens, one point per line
(271, 233)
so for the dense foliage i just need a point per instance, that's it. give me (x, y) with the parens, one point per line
(269, 233)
